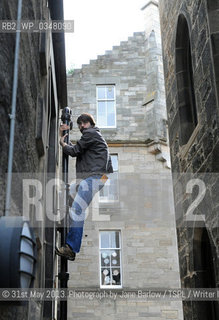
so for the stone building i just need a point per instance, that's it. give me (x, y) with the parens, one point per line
(190, 37)
(129, 242)
(41, 94)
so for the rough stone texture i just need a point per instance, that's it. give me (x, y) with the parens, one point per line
(200, 155)
(136, 69)
(124, 308)
(124, 66)
(144, 213)
(145, 216)
(33, 87)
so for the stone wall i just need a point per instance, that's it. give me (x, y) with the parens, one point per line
(135, 67)
(123, 66)
(25, 153)
(198, 158)
(124, 308)
(144, 212)
(36, 139)
(145, 217)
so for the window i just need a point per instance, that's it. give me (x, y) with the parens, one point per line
(110, 259)
(185, 84)
(110, 192)
(106, 106)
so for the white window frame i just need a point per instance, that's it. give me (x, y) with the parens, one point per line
(105, 199)
(120, 250)
(97, 100)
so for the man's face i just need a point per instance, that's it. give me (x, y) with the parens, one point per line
(84, 125)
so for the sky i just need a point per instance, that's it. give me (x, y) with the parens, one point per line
(98, 26)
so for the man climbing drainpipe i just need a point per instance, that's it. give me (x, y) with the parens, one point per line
(92, 164)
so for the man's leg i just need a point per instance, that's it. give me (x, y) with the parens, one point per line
(72, 193)
(86, 190)
(77, 215)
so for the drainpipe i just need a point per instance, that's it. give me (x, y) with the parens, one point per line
(13, 112)
(64, 275)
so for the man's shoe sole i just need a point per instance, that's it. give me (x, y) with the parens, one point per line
(62, 255)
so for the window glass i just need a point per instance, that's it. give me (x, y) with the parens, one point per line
(114, 159)
(110, 93)
(105, 240)
(106, 106)
(110, 113)
(114, 239)
(110, 191)
(110, 258)
(101, 92)
(102, 113)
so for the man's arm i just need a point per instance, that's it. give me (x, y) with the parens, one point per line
(80, 146)
(62, 138)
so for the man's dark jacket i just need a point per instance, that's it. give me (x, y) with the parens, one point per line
(92, 154)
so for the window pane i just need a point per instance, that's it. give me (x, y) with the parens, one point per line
(116, 278)
(114, 239)
(102, 122)
(102, 108)
(110, 107)
(110, 259)
(110, 113)
(110, 92)
(114, 159)
(106, 109)
(101, 92)
(102, 118)
(104, 240)
(111, 120)
(104, 192)
(106, 277)
(115, 258)
(110, 191)
(105, 258)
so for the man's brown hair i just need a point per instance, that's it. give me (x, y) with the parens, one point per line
(86, 117)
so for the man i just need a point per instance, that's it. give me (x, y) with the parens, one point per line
(92, 164)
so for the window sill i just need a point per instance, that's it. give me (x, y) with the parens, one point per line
(107, 203)
(185, 148)
(108, 128)
(110, 287)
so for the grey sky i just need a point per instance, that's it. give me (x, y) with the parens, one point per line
(99, 25)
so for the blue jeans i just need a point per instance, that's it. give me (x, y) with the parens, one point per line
(86, 191)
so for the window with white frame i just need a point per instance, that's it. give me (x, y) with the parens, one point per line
(110, 191)
(110, 258)
(106, 106)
